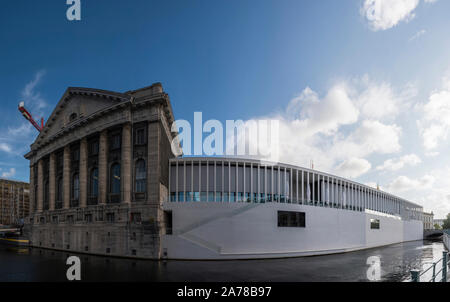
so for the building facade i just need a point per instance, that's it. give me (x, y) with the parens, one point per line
(14, 201)
(428, 221)
(104, 180)
(98, 173)
(439, 222)
(229, 208)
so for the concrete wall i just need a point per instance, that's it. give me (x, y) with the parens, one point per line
(238, 230)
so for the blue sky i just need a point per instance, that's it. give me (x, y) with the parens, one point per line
(362, 87)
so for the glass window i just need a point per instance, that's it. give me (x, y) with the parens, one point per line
(115, 141)
(115, 179)
(218, 196)
(141, 176)
(375, 224)
(94, 183)
(180, 196)
(93, 148)
(59, 187)
(140, 136)
(291, 219)
(75, 187)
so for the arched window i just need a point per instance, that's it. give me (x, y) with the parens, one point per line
(115, 179)
(75, 187)
(94, 183)
(141, 176)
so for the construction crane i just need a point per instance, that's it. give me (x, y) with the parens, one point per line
(28, 116)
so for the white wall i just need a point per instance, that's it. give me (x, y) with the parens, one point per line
(238, 230)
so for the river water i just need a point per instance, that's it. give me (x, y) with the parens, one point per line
(396, 261)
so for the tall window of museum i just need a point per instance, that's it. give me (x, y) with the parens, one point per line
(141, 179)
(75, 190)
(93, 151)
(46, 197)
(115, 183)
(59, 180)
(114, 160)
(93, 186)
(75, 178)
(140, 165)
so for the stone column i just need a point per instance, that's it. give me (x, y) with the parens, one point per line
(66, 177)
(103, 167)
(83, 172)
(153, 166)
(31, 196)
(40, 192)
(126, 174)
(52, 182)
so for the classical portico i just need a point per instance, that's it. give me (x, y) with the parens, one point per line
(95, 172)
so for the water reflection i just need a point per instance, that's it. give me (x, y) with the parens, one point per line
(19, 264)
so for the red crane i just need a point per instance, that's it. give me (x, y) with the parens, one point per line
(28, 116)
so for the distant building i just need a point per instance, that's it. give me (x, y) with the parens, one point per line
(439, 222)
(14, 201)
(428, 221)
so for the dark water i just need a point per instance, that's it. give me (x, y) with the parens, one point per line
(23, 264)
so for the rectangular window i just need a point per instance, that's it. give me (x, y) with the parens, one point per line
(375, 224)
(291, 219)
(70, 218)
(93, 148)
(88, 217)
(55, 219)
(115, 142)
(110, 217)
(140, 136)
(136, 217)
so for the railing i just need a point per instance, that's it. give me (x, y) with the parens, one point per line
(417, 274)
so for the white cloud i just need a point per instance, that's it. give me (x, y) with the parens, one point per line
(395, 164)
(403, 183)
(10, 173)
(326, 115)
(435, 123)
(417, 35)
(33, 99)
(5, 148)
(353, 167)
(385, 14)
(337, 131)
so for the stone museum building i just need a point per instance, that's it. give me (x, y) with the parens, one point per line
(98, 173)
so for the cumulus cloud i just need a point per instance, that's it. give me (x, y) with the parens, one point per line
(385, 14)
(353, 167)
(10, 173)
(403, 183)
(5, 148)
(338, 130)
(434, 126)
(395, 164)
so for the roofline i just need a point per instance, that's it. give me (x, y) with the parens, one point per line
(270, 163)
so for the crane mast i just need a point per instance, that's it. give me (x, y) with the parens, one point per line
(29, 117)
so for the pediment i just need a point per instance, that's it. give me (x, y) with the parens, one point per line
(77, 104)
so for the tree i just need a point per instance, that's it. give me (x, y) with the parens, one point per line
(446, 224)
(437, 226)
